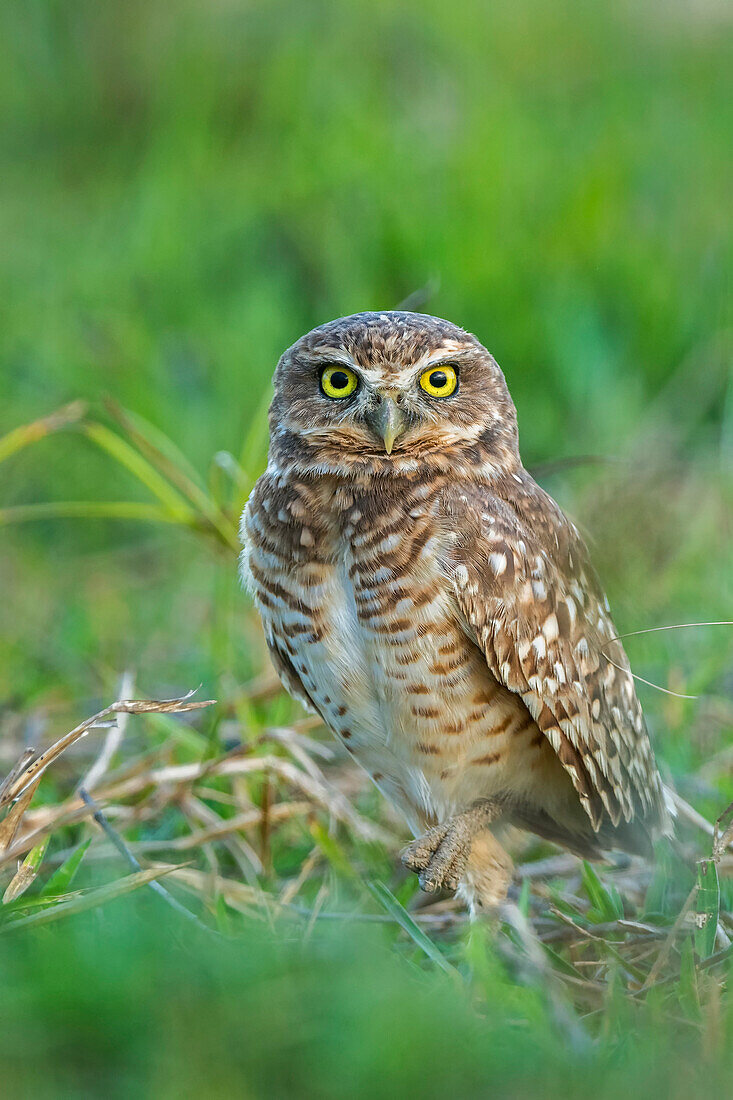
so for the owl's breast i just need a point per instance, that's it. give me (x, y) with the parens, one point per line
(364, 619)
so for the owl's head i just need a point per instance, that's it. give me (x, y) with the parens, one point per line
(388, 392)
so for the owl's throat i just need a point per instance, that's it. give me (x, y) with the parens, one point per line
(342, 453)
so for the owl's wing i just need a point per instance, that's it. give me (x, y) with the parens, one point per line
(289, 676)
(282, 663)
(530, 599)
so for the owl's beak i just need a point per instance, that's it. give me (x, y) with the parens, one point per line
(387, 421)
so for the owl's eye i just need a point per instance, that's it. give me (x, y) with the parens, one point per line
(440, 381)
(338, 382)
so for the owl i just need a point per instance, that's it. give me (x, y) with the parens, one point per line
(421, 593)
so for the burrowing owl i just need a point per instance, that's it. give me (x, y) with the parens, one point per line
(433, 604)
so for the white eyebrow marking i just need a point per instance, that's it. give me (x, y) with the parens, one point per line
(407, 376)
(404, 377)
(334, 355)
(372, 375)
(450, 350)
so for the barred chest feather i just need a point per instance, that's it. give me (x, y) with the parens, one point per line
(354, 588)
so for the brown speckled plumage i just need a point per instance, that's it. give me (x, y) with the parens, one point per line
(436, 607)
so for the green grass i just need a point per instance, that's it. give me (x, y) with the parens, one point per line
(158, 1011)
(183, 193)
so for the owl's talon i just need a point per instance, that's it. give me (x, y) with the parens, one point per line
(417, 856)
(440, 856)
(426, 884)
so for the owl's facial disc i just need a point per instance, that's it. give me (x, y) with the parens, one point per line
(387, 393)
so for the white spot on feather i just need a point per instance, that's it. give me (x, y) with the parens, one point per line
(390, 543)
(461, 575)
(550, 628)
(498, 563)
(525, 593)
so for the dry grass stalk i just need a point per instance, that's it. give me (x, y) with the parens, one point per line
(16, 783)
(306, 780)
(113, 740)
(11, 822)
(22, 781)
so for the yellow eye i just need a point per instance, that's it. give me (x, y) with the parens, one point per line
(337, 382)
(440, 381)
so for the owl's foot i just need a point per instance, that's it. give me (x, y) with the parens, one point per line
(440, 856)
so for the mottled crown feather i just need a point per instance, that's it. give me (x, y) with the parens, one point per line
(394, 336)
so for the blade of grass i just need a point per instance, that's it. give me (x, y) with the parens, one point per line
(603, 900)
(91, 509)
(560, 963)
(90, 899)
(173, 466)
(25, 434)
(707, 908)
(26, 873)
(225, 466)
(687, 989)
(663, 956)
(160, 444)
(126, 455)
(62, 878)
(628, 968)
(254, 449)
(384, 896)
(333, 851)
(53, 817)
(125, 852)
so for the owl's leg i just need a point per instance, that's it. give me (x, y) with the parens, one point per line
(440, 857)
(488, 874)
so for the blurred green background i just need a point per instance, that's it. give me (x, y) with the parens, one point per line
(185, 192)
(187, 188)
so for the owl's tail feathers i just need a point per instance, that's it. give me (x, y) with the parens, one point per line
(639, 836)
(486, 880)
